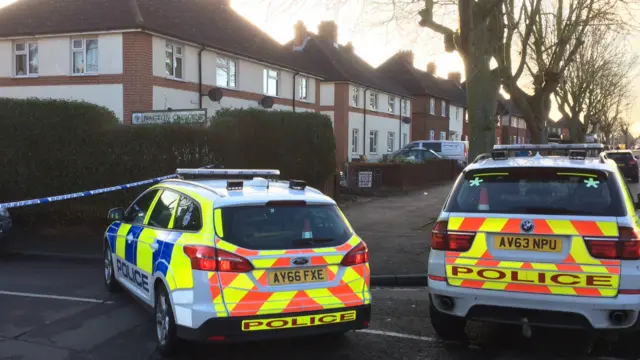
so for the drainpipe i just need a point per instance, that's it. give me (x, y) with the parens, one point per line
(200, 76)
(294, 90)
(364, 130)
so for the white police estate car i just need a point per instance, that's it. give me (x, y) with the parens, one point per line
(537, 241)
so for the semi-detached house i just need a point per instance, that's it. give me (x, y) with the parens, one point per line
(143, 55)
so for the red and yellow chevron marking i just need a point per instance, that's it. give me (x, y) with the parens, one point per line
(578, 274)
(542, 226)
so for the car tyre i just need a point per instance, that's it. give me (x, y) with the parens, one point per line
(166, 330)
(447, 327)
(110, 281)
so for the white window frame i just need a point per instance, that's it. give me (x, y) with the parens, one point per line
(443, 135)
(432, 106)
(269, 74)
(355, 96)
(391, 141)
(392, 104)
(174, 57)
(355, 135)
(373, 96)
(83, 49)
(24, 52)
(443, 108)
(373, 141)
(405, 138)
(228, 63)
(303, 84)
(432, 134)
(405, 108)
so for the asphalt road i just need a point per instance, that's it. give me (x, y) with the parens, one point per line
(57, 310)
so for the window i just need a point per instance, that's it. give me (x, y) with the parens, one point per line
(84, 55)
(458, 117)
(404, 139)
(443, 108)
(270, 82)
(355, 94)
(392, 104)
(173, 61)
(405, 107)
(354, 140)
(188, 216)
(466, 116)
(226, 72)
(432, 135)
(498, 140)
(390, 140)
(163, 210)
(538, 191)
(373, 100)
(304, 88)
(279, 227)
(443, 135)
(513, 139)
(26, 59)
(432, 106)
(373, 141)
(136, 213)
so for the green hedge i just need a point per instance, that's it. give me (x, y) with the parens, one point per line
(52, 147)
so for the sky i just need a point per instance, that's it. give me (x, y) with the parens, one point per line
(373, 40)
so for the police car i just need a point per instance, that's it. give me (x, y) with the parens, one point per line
(233, 255)
(549, 241)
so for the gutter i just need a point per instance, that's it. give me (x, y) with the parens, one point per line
(293, 98)
(364, 130)
(200, 76)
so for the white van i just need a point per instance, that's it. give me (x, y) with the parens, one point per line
(448, 149)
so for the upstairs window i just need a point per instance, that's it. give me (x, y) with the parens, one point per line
(443, 106)
(26, 58)
(373, 101)
(226, 72)
(392, 104)
(173, 61)
(304, 88)
(270, 82)
(432, 106)
(405, 107)
(355, 94)
(84, 55)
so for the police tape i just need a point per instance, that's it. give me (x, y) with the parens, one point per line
(84, 193)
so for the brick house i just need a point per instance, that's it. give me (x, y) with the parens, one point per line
(370, 112)
(512, 128)
(139, 55)
(438, 104)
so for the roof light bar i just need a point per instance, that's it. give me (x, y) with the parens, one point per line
(228, 172)
(543, 147)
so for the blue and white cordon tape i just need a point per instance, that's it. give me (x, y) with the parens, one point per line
(84, 193)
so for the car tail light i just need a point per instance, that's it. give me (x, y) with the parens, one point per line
(207, 258)
(443, 240)
(358, 255)
(627, 247)
(633, 162)
(437, 278)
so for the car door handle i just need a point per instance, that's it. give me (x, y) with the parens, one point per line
(154, 246)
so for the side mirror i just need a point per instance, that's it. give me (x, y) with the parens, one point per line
(116, 214)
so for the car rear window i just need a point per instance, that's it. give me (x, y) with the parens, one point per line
(547, 191)
(282, 226)
(620, 157)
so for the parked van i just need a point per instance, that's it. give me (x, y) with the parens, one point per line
(448, 149)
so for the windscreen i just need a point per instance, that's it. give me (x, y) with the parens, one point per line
(544, 191)
(278, 227)
(435, 146)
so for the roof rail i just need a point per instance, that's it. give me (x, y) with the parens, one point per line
(481, 157)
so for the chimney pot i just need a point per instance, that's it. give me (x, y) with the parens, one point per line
(328, 30)
(349, 47)
(299, 33)
(431, 68)
(455, 76)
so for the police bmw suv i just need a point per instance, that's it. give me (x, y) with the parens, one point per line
(551, 239)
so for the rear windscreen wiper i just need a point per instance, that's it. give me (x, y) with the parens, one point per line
(311, 241)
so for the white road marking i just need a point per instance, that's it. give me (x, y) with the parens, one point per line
(399, 335)
(56, 297)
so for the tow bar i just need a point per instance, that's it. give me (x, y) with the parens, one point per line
(526, 329)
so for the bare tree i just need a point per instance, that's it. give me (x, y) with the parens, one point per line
(600, 73)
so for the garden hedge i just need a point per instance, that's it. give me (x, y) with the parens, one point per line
(53, 147)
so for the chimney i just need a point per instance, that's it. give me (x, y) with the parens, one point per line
(407, 56)
(349, 47)
(455, 77)
(431, 68)
(328, 30)
(299, 33)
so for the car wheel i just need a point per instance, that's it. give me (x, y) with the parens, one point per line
(447, 327)
(109, 274)
(166, 334)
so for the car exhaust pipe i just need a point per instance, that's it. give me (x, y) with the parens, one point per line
(447, 302)
(618, 317)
